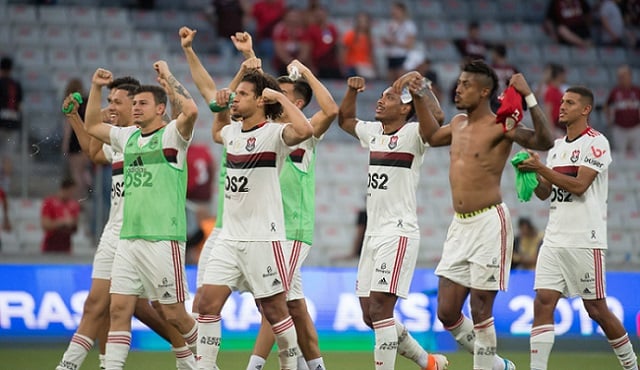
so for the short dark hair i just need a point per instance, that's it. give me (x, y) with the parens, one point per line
(6, 63)
(125, 80)
(67, 183)
(584, 92)
(556, 70)
(478, 66)
(301, 88)
(129, 88)
(501, 50)
(260, 82)
(159, 95)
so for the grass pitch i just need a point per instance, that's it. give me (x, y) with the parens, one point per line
(46, 357)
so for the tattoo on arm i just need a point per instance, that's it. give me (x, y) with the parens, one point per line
(177, 87)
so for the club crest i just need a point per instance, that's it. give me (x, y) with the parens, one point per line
(575, 155)
(251, 144)
(393, 142)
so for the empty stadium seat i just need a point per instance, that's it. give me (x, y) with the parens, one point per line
(61, 57)
(85, 36)
(611, 56)
(584, 56)
(430, 9)
(83, 15)
(114, 17)
(54, 15)
(22, 14)
(554, 53)
(57, 35)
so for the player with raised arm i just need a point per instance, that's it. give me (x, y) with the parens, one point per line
(476, 257)
(150, 254)
(572, 257)
(390, 250)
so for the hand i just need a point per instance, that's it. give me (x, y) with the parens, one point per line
(223, 96)
(102, 77)
(165, 86)
(520, 84)
(252, 63)
(186, 37)
(70, 105)
(531, 164)
(356, 83)
(243, 42)
(270, 96)
(162, 69)
(411, 80)
(301, 67)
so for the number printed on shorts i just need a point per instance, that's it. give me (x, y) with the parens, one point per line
(237, 184)
(560, 195)
(138, 179)
(378, 181)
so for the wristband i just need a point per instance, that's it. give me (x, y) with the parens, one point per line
(77, 97)
(531, 100)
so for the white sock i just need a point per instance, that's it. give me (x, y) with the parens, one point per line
(410, 348)
(256, 363)
(541, 342)
(287, 340)
(302, 364)
(101, 361)
(624, 351)
(209, 332)
(191, 338)
(77, 351)
(118, 343)
(485, 345)
(386, 347)
(463, 333)
(184, 358)
(316, 364)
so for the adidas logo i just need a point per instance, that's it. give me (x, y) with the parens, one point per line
(586, 291)
(491, 279)
(383, 281)
(137, 162)
(258, 367)
(276, 282)
(166, 295)
(319, 367)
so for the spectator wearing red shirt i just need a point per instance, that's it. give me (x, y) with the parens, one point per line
(622, 111)
(10, 121)
(200, 178)
(569, 22)
(291, 41)
(6, 224)
(59, 218)
(552, 96)
(266, 13)
(324, 45)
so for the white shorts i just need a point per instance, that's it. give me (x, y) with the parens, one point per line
(153, 268)
(386, 265)
(257, 267)
(478, 250)
(572, 272)
(204, 255)
(297, 252)
(106, 251)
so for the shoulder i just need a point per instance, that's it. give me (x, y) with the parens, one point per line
(458, 118)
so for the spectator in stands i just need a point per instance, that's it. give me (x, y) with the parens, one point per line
(622, 112)
(504, 70)
(526, 245)
(228, 17)
(201, 173)
(631, 12)
(552, 96)
(291, 40)
(569, 22)
(357, 49)
(59, 218)
(324, 44)
(613, 30)
(78, 163)
(399, 39)
(6, 223)
(266, 13)
(472, 47)
(10, 121)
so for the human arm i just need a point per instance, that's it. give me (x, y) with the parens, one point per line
(87, 143)
(183, 101)
(244, 44)
(199, 74)
(541, 137)
(222, 118)
(94, 124)
(347, 111)
(322, 119)
(299, 128)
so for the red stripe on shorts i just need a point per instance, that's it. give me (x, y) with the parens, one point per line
(294, 258)
(598, 264)
(177, 270)
(397, 266)
(280, 262)
(503, 246)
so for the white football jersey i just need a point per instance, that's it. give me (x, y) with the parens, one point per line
(114, 223)
(394, 171)
(579, 221)
(252, 198)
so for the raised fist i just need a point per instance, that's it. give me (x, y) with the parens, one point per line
(356, 83)
(102, 77)
(186, 36)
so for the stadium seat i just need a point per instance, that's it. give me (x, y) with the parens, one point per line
(26, 35)
(524, 53)
(30, 57)
(61, 57)
(171, 19)
(442, 50)
(492, 31)
(458, 9)
(57, 35)
(554, 53)
(83, 15)
(342, 8)
(429, 9)
(144, 19)
(484, 9)
(458, 29)
(35, 79)
(149, 40)
(196, 20)
(377, 8)
(114, 17)
(22, 14)
(85, 36)
(58, 15)
(534, 10)
(434, 29)
(634, 57)
(518, 32)
(582, 56)
(39, 100)
(92, 57)
(119, 37)
(510, 11)
(611, 56)
(123, 59)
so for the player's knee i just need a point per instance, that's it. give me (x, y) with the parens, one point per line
(96, 307)
(447, 316)
(367, 319)
(297, 308)
(597, 312)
